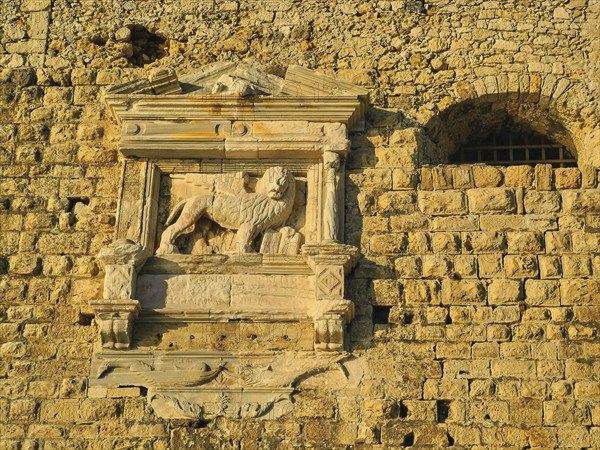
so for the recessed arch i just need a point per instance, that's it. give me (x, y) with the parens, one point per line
(552, 107)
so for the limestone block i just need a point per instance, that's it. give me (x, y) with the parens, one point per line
(35, 5)
(25, 264)
(542, 293)
(557, 242)
(500, 333)
(580, 292)
(466, 368)
(408, 266)
(422, 291)
(446, 243)
(442, 177)
(387, 292)
(492, 200)
(394, 157)
(466, 266)
(372, 178)
(512, 222)
(524, 242)
(419, 242)
(543, 177)
(567, 178)
(565, 412)
(404, 179)
(581, 202)
(485, 350)
(409, 222)
(463, 292)
(442, 203)
(589, 177)
(513, 368)
(426, 179)
(550, 266)
(389, 243)
(455, 223)
(462, 177)
(490, 266)
(501, 291)
(487, 176)
(519, 176)
(521, 266)
(394, 202)
(445, 388)
(525, 411)
(484, 242)
(585, 242)
(542, 202)
(436, 266)
(575, 266)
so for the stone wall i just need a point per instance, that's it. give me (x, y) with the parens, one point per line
(488, 277)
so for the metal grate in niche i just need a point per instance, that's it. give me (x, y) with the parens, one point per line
(515, 148)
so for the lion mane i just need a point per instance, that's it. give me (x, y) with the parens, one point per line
(250, 213)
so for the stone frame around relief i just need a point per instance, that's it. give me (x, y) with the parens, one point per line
(227, 332)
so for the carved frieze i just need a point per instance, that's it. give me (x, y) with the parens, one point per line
(230, 223)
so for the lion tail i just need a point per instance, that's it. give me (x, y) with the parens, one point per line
(176, 210)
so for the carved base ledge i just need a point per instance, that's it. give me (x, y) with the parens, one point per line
(203, 385)
(116, 318)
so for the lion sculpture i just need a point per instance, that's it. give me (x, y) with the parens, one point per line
(250, 213)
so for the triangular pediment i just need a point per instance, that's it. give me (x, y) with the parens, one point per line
(247, 78)
(238, 91)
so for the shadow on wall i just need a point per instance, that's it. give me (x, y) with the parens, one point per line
(368, 176)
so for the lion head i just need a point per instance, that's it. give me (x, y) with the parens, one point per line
(275, 182)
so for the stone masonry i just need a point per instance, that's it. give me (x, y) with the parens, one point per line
(477, 295)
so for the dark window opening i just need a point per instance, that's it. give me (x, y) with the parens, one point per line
(512, 144)
(381, 314)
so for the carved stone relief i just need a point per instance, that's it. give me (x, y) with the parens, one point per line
(229, 235)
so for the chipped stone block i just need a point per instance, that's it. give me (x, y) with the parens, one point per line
(446, 243)
(394, 202)
(462, 177)
(422, 291)
(542, 293)
(487, 176)
(466, 266)
(585, 242)
(576, 266)
(567, 178)
(408, 266)
(484, 242)
(580, 292)
(442, 203)
(442, 178)
(436, 266)
(542, 202)
(557, 242)
(550, 266)
(519, 176)
(455, 223)
(543, 177)
(463, 292)
(490, 265)
(492, 200)
(404, 179)
(525, 242)
(389, 243)
(501, 291)
(521, 266)
(387, 292)
(581, 202)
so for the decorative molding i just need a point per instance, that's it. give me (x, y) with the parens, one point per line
(232, 187)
